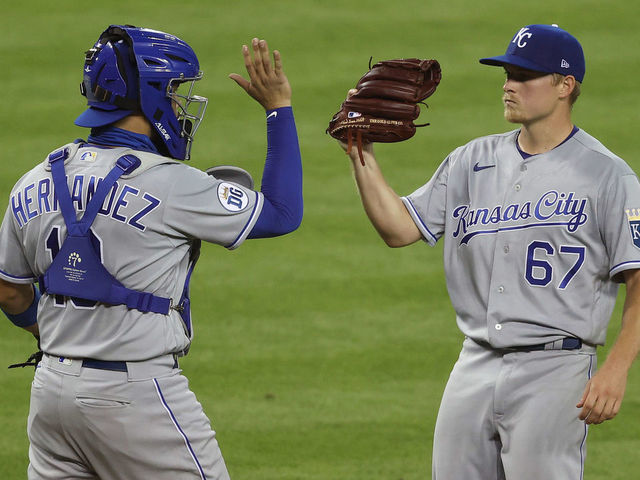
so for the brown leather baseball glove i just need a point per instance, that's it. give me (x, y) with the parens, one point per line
(386, 102)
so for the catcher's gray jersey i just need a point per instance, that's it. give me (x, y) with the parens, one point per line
(145, 228)
(534, 248)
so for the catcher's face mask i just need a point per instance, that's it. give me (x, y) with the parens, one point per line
(188, 108)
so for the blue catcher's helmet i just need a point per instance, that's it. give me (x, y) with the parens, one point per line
(138, 70)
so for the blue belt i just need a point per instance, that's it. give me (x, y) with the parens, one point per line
(567, 344)
(104, 365)
(112, 365)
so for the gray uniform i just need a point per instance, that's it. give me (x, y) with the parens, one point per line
(534, 251)
(145, 229)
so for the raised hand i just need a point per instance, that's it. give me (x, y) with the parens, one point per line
(267, 84)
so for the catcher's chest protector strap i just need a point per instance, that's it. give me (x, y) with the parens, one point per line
(76, 270)
(184, 304)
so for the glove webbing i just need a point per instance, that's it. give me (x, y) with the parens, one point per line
(358, 142)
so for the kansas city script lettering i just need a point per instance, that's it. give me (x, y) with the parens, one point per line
(552, 208)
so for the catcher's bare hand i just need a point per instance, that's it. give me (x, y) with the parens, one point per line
(267, 84)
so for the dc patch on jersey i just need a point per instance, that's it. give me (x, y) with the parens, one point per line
(633, 215)
(88, 156)
(232, 197)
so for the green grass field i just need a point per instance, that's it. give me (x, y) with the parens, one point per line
(321, 355)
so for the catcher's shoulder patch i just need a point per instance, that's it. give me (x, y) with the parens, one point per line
(89, 156)
(232, 197)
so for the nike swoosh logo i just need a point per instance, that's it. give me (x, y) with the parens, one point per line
(272, 114)
(477, 167)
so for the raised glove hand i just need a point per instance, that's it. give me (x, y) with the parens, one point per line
(385, 103)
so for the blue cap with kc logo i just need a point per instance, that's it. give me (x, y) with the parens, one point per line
(543, 48)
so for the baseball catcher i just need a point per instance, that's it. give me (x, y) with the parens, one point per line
(385, 103)
(112, 245)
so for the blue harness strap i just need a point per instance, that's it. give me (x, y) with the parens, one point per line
(184, 305)
(76, 270)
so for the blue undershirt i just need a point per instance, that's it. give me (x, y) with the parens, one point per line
(29, 316)
(281, 179)
(111, 135)
(526, 155)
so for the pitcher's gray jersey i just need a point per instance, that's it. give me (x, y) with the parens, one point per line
(145, 229)
(534, 249)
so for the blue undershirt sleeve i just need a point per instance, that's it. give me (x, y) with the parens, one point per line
(29, 316)
(281, 178)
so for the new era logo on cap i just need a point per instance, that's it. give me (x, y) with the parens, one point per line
(543, 48)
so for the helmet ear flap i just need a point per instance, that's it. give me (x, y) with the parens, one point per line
(124, 55)
(116, 33)
(110, 80)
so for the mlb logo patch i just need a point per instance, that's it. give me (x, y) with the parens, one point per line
(633, 215)
(88, 156)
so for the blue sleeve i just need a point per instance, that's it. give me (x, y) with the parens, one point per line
(30, 316)
(281, 178)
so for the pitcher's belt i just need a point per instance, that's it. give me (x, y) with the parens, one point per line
(569, 343)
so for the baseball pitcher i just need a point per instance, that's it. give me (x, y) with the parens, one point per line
(540, 226)
(110, 230)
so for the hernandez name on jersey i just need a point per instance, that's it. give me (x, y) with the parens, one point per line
(39, 197)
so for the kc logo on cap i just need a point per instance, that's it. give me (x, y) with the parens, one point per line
(520, 37)
(543, 48)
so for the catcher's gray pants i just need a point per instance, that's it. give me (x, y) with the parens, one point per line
(513, 416)
(143, 423)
